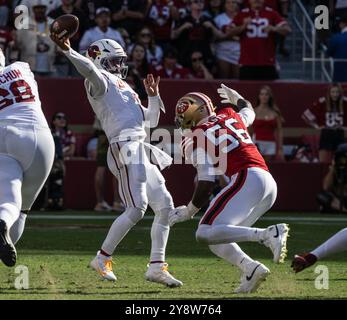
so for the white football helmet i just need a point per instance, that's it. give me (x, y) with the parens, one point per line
(108, 55)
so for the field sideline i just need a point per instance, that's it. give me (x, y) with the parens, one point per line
(57, 247)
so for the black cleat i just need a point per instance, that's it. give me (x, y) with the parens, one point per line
(8, 253)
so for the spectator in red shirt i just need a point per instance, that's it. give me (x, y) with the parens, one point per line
(281, 6)
(257, 27)
(267, 126)
(197, 68)
(170, 68)
(329, 116)
(160, 17)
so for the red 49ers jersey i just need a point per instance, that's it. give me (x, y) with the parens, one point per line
(224, 137)
(334, 118)
(258, 47)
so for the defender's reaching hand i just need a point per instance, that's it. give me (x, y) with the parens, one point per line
(179, 214)
(228, 95)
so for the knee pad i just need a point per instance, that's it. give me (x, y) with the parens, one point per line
(202, 234)
(135, 214)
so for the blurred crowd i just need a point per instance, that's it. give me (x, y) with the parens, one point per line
(172, 38)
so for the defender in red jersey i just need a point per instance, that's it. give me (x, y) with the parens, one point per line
(219, 144)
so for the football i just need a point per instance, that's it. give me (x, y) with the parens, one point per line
(65, 26)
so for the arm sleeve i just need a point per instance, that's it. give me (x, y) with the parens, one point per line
(155, 104)
(97, 82)
(247, 115)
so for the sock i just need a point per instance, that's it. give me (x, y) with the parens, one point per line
(104, 253)
(120, 227)
(159, 235)
(9, 213)
(17, 228)
(337, 243)
(232, 253)
(222, 233)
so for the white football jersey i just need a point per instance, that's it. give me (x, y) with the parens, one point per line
(119, 109)
(19, 96)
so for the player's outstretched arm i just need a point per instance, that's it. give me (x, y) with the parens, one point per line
(202, 192)
(201, 195)
(83, 65)
(244, 107)
(154, 101)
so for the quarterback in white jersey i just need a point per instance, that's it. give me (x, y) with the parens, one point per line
(26, 152)
(124, 119)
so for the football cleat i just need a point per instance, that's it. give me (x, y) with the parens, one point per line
(303, 261)
(8, 253)
(275, 238)
(103, 265)
(252, 277)
(158, 272)
(102, 206)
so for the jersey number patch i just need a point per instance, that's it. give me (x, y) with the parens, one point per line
(234, 138)
(21, 92)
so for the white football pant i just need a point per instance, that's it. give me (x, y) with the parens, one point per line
(140, 184)
(26, 159)
(233, 211)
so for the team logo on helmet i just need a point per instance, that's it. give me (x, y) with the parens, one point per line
(94, 52)
(182, 107)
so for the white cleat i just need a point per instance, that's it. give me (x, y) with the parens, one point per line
(275, 237)
(103, 265)
(254, 275)
(102, 206)
(158, 272)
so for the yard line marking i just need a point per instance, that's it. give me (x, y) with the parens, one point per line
(109, 217)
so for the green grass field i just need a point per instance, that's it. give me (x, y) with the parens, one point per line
(57, 253)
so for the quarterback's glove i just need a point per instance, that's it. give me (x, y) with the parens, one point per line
(228, 95)
(182, 213)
